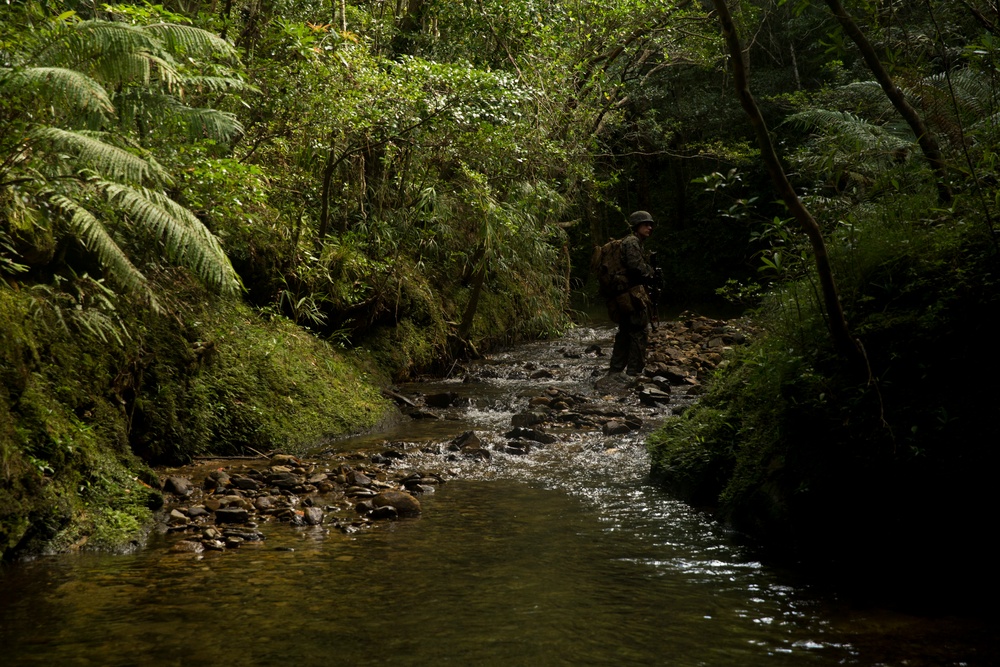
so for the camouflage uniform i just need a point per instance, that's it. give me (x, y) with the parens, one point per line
(633, 311)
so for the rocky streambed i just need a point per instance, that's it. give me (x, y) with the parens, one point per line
(561, 400)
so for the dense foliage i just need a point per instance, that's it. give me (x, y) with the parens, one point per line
(885, 468)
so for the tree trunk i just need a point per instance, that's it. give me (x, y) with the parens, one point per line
(844, 343)
(928, 143)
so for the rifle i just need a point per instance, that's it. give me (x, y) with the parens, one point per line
(654, 288)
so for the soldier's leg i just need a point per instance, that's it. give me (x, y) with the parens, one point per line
(620, 351)
(638, 342)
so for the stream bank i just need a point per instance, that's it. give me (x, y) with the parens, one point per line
(566, 554)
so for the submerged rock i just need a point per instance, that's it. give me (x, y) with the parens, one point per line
(405, 504)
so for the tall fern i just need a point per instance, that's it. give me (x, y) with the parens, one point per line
(71, 155)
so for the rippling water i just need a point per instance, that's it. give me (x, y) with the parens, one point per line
(565, 557)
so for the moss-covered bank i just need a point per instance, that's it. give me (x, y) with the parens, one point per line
(891, 479)
(92, 396)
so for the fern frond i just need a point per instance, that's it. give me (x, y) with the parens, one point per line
(853, 130)
(84, 42)
(166, 72)
(203, 122)
(96, 239)
(185, 239)
(57, 84)
(102, 157)
(191, 41)
(217, 84)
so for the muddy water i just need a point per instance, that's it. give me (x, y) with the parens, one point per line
(567, 556)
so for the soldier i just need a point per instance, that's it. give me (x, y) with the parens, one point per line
(633, 306)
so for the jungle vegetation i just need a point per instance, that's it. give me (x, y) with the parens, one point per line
(212, 210)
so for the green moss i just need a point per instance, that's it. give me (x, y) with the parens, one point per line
(81, 415)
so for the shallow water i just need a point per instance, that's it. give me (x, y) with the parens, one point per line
(568, 556)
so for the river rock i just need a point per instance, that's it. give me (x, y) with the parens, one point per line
(188, 546)
(444, 399)
(284, 480)
(284, 460)
(313, 516)
(177, 485)
(615, 427)
(358, 478)
(467, 439)
(531, 434)
(405, 504)
(231, 515)
(528, 418)
(216, 479)
(245, 483)
(653, 396)
(386, 512)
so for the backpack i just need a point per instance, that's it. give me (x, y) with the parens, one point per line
(609, 266)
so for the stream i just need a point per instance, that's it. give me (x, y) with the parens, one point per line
(564, 555)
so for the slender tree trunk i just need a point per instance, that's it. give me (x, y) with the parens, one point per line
(845, 344)
(478, 279)
(926, 139)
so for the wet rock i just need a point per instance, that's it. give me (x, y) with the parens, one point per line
(233, 542)
(177, 517)
(442, 400)
(540, 401)
(661, 383)
(384, 513)
(516, 448)
(615, 427)
(531, 434)
(595, 350)
(245, 483)
(653, 396)
(197, 511)
(284, 460)
(284, 480)
(317, 478)
(477, 453)
(313, 516)
(358, 478)
(188, 546)
(231, 515)
(405, 504)
(216, 479)
(364, 507)
(424, 414)
(467, 439)
(180, 486)
(244, 534)
(214, 545)
(542, 374)
(264, 503)
(528, 418)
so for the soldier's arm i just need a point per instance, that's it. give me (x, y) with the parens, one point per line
(636, 264)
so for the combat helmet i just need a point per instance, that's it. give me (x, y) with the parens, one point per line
(638, 218)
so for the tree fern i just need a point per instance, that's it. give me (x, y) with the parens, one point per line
(185, 239)
(95, 237)
(83, 163)
(58, 85)
(108, 160)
